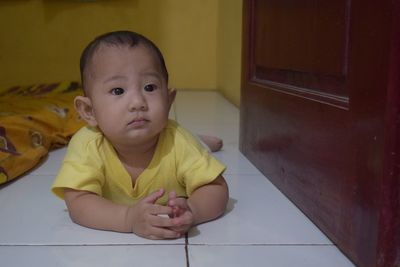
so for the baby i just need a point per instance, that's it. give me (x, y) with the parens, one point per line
(131, 169)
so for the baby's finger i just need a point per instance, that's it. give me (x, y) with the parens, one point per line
(152, 198)
(185, 219)
(163, 233)
(161, 221)
(181, 229)
(171, 198)
(172, 195)
(159, 210)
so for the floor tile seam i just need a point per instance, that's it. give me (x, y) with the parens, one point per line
(260, 245)
(187, 256)
(90, 245)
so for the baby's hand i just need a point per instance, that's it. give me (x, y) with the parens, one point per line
(145, 220)
(181, 213)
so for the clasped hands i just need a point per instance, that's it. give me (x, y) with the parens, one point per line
(154, 221)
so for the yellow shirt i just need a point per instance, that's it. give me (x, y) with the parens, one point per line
(179, 164)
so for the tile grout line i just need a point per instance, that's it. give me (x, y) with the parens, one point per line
(186, 245)
(264, 245)
(87, 245)
(187, 250)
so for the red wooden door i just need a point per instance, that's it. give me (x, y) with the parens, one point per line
(320, 115)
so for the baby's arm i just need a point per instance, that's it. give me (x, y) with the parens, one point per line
(209, 201)
(206, 203)
(93, 211)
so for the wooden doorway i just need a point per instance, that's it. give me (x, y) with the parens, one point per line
(320, 115)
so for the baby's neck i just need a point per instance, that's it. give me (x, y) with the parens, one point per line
(136, 159)
(137, 155)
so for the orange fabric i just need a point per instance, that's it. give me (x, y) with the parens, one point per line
(34, 120)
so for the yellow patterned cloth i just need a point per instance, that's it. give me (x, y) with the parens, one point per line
(33, 120)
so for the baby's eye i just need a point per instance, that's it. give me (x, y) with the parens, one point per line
(150, 87)
(117, 91)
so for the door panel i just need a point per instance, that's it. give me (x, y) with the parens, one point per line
(304, 46)
(314, 113)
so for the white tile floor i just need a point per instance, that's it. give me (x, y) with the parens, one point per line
(260, 228)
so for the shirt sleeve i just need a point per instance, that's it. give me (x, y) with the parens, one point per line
(81, 168)
(196, 167)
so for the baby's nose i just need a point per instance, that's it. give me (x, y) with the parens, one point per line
(138, 102)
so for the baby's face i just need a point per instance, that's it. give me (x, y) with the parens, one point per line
(128, 92)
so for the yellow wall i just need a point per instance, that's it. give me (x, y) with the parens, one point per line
(229, 45)
(41, 40)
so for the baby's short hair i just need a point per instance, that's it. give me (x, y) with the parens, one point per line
(120, 38)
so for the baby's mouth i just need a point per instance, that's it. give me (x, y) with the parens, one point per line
(139, 122)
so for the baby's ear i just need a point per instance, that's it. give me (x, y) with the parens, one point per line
(171, 96)
(84, 107)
